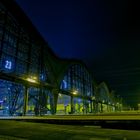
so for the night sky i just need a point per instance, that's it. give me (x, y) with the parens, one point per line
(105, 34)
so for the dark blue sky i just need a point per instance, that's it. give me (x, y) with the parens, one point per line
(105, 34)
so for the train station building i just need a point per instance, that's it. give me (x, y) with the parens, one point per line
(34, 81)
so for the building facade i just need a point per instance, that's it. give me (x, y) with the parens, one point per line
(33, 80)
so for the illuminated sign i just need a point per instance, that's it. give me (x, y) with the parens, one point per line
(8, 64)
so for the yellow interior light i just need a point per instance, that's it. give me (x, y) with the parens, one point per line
(31, 80)
(75, 92)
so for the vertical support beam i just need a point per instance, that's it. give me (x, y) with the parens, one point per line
(54, 104)
(107, 107)
(96, 106)
(84, 106)
(53, 101)
(91, 106)
(101, 107)
(72, 105)
(42, 101)
(25, 107)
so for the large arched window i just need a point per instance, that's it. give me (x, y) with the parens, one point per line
(102, 92)
(103, 96)
(77, 79)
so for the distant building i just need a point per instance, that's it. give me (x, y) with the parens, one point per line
(33, 80)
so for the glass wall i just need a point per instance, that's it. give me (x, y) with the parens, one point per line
(20, 53)
(103, 95)
(20, 56)
(11, 98)
(77, 79)
(63, 104)
(39, 101)
(78, 105)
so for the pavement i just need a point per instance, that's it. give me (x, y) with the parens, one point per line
(13, 130)
(114, 121)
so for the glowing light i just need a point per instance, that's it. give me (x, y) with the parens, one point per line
(8, 64)
(1, 101)
(75, 92)
(93, 97)
(35, 78)
(32, 79)
(42, 77)
(79, 100)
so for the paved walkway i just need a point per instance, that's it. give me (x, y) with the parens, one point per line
(40, 131)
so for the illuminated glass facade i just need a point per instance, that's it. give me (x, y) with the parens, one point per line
(77, 78)
(11, 98)
(78, 82)
(33, 80)
(20, 59)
